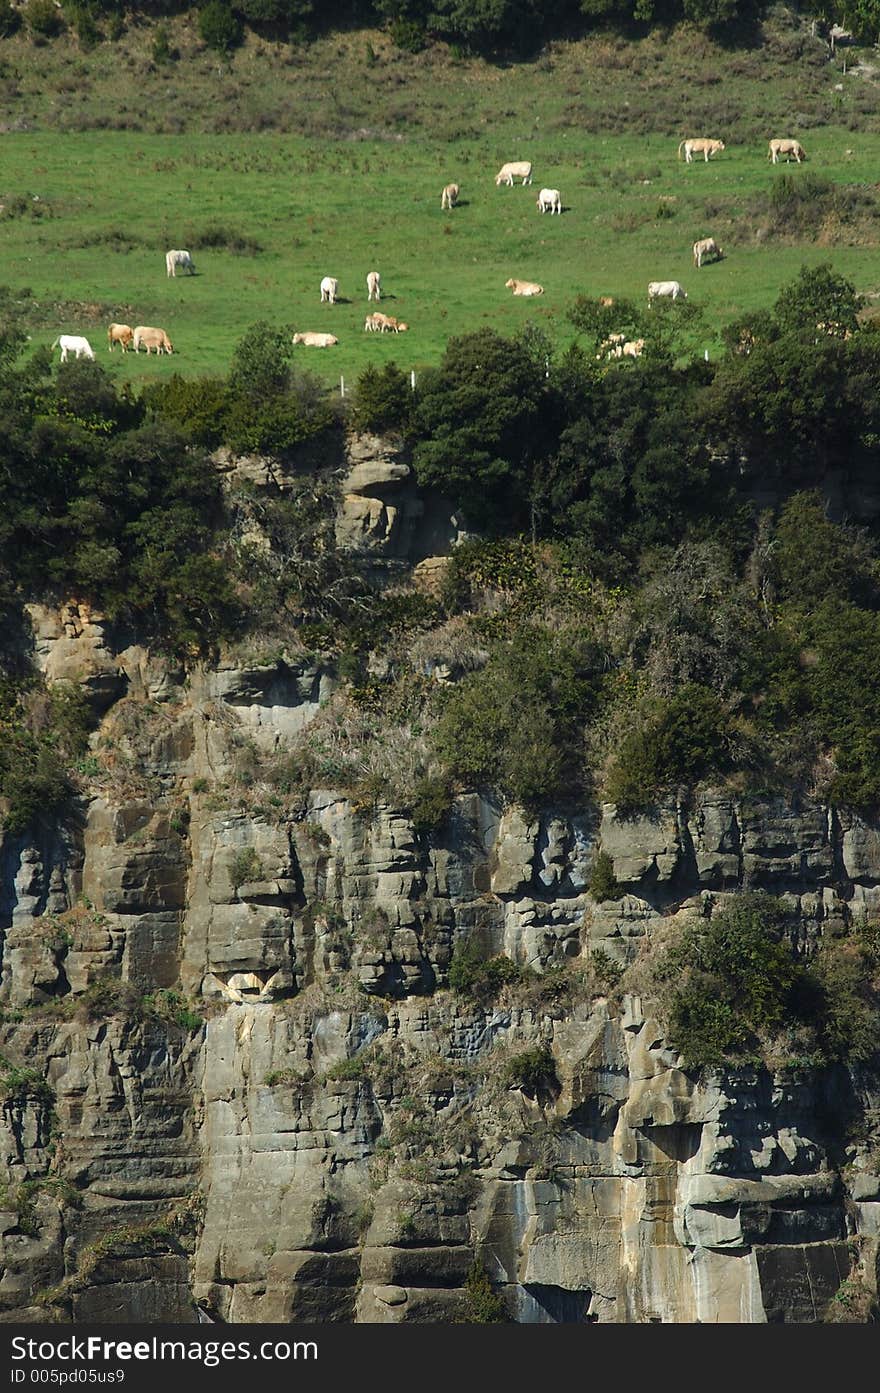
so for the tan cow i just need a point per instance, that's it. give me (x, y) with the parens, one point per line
(634, 348)
(375, 322)
(791, 149)
(516, 169)
(606, 301)
(449, 197)
(151, 338)
(123, 334)
(373, 286)
(316, 340)
(699, 147)
(706, 247)
(524, 287)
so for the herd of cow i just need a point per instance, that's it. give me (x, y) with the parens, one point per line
(549, 200)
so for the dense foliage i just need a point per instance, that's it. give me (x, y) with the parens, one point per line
(659, 597)
(488, 27)
(737, 985)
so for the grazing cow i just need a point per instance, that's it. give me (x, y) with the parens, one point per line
(121, 334)
(788, 148)
(449, 197)
(707, 247)
(316, 340)
(381, 323)
(672, 289)
(699, 147)
(634, 348)
(549, 198)
(173, 259)
(524, 287)
(373, 286)
(834, 328)
(606, 301)
(329, 290)
(150, 337)
(612, 347)
(75, 344)
(514, 170)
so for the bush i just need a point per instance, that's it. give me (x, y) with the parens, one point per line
(44, 19)
(679, 741)
(479, 424)
(736, 982)
(382, 400)
(603, 885)
(483, 1305)
(10, 20)
(517, 725)
(197, 406)
(474, 975)
(245, 866)
(42, 736)
(162, 51)
(219, 27)
(530, 1071)
(431, 803)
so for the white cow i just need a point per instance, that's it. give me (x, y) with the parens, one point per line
(329, 290)
(550, 198)
(706, 247)
(316, 340)
(75, 344)
(670, 288)
(633, 349)
(524, 287)
(791, 149)
(449, 196)
(373, 286)
(514, 170)
(173, 259)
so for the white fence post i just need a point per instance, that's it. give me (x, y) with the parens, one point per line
(342, 386)
(412, 379)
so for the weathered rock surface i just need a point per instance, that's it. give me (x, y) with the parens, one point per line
(331, 1136)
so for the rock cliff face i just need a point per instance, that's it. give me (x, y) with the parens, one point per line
(329, 1132)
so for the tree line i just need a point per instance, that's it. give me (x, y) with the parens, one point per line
(491, 28)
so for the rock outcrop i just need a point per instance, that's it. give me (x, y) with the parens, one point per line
(234, 1071)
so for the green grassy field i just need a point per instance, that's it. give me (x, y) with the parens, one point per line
(87, 216)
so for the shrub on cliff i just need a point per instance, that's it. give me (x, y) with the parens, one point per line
(677, 741)
(737, 989)
(383, 399)
(479, 427)
(42, 734)
(735, 979)
(474, 975)
(517, 725)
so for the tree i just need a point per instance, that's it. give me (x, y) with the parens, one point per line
(219, 28)
(819, 296)
(478, 425)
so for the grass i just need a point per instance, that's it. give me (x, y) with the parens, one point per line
(267, 214)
